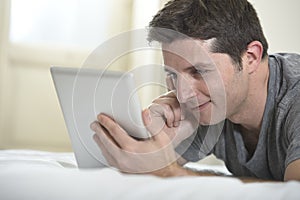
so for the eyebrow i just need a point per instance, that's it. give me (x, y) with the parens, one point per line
(203, 65)
(167, 69)
(192, 67)
(198, 65)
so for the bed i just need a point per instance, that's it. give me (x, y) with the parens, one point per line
(28, 174)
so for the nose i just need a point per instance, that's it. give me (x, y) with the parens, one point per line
(184, 89)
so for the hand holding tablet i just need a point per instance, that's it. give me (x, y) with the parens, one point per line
(83, 94)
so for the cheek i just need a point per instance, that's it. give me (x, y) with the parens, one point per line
(216, 89)
(201, 87)
(221, 90)
(236, 93)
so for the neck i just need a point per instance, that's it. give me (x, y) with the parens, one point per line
(251, 114)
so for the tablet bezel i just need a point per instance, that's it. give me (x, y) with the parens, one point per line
(77, 89)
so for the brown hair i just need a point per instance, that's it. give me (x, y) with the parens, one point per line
(233, 23)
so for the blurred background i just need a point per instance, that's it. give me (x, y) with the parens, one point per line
(36, 34)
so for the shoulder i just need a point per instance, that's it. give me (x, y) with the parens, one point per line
(292, 134)
(292, 121)
(288, 64)
(286, 59)
(286, 70)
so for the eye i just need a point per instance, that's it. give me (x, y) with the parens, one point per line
(199, 73)
(202, 71)
(172, 75)
(173, 78)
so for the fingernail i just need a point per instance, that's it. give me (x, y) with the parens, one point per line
(96, 137)
(93, 126)
(182, 117)
(148, 115)
(176, 124)
(170, 124)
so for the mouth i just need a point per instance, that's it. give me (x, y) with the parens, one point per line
(202, 106)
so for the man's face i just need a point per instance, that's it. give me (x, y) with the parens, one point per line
(208, 84)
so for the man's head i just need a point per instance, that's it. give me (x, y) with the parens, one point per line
(212, 50)
(232, 23)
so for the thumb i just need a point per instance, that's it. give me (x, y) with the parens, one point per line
(154, 124)
(146, 117)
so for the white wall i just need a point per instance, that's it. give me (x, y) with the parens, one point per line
(30, 116)
(280, 21)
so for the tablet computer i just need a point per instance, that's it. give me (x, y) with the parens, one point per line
(83, 94)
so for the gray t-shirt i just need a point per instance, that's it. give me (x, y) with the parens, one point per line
(279, 139)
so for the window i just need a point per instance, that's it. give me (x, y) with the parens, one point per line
(59, 22)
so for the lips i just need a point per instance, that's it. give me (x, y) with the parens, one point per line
(202, 106)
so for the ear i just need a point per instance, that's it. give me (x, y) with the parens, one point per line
(254, 56)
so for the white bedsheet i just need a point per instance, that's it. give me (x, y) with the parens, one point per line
(45, 175)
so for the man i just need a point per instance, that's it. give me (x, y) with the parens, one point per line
(219, 74)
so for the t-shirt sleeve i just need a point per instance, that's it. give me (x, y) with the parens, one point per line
(189, 148)
(200, 144)
(293, 133)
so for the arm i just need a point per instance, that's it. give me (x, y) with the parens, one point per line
(292, 128)
(153, 156)
(192, 172)
(292, 171)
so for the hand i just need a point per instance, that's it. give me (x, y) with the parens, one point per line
(169, 116)
(168, 126)
(154, 155)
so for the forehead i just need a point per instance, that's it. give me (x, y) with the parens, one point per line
(186, 52)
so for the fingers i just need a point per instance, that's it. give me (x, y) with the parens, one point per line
(153, 122)
(163, 111)
(146, 117)
(170, 83)
(102, 133)
(139, 156)
(187, 128)
(168, 107)
(104, 146)
(156, 127)
(113, 130)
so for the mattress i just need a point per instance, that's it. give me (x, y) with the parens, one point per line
(28, 174)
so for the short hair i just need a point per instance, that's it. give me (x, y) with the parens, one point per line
(232, 23)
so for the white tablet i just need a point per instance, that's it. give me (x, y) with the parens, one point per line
(83, 94)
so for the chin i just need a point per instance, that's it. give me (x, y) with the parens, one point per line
(206, 121)
(209, 116)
